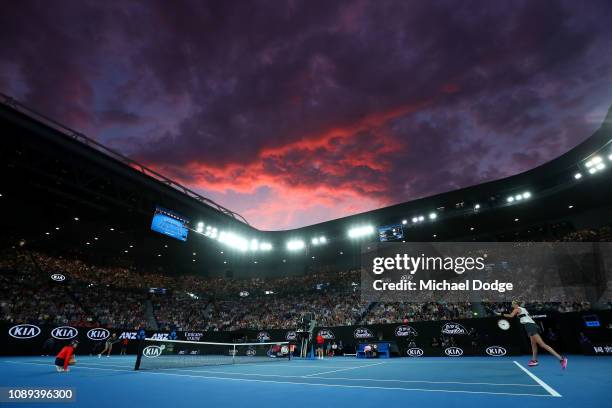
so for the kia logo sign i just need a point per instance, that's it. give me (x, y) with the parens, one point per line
(64, 333)
(98, 334)
(363, 333)
(24, 331)
(453, 328)
(415, 352)
(152, 351)
(496, 351)
(405, 331)
(453, 352)
(263, 336)
(58, 277)
(291, 335)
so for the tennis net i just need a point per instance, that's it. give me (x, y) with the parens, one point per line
(167, 354)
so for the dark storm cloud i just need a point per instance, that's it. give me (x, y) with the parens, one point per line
(347, 105)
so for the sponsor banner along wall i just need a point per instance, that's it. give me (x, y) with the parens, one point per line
(484, 336)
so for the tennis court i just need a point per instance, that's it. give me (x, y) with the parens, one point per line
(340, 381)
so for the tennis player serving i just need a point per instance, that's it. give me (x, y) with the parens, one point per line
(533, 331)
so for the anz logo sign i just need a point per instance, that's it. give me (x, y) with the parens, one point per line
(24, 331)
(152, 351)
(128, 335)
(64, 333)
(496, 351)
(453, 352)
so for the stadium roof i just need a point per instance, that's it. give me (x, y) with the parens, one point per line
(63, 190)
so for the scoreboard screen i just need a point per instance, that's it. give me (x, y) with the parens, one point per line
(168, 223)
(390, 233)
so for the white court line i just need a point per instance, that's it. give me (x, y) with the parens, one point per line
(322, 378)
(547, 387)
(306, 383)
(344, 369)
(427, 382)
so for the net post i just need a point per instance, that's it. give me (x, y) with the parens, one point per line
(234, 354)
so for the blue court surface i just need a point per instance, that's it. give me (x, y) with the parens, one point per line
(335, 382)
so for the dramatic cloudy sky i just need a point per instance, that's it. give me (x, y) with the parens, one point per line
(295, 112)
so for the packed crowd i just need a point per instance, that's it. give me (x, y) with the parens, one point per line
(117, 297)
(412, 312)
(28, 295)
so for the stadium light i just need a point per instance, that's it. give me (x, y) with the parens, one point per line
(433, 216)
(578, 176)
(265, 246)
(234, 241)
(200, 227)
(415, 219)
(404, 222)
(477, 207)
(609, 158)
(295, 245)
(254, 245)
(593, 162)
(362, 231)
(318, 240)
(518, 197)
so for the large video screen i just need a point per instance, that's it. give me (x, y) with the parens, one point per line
(168, 223)
(390, 233)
